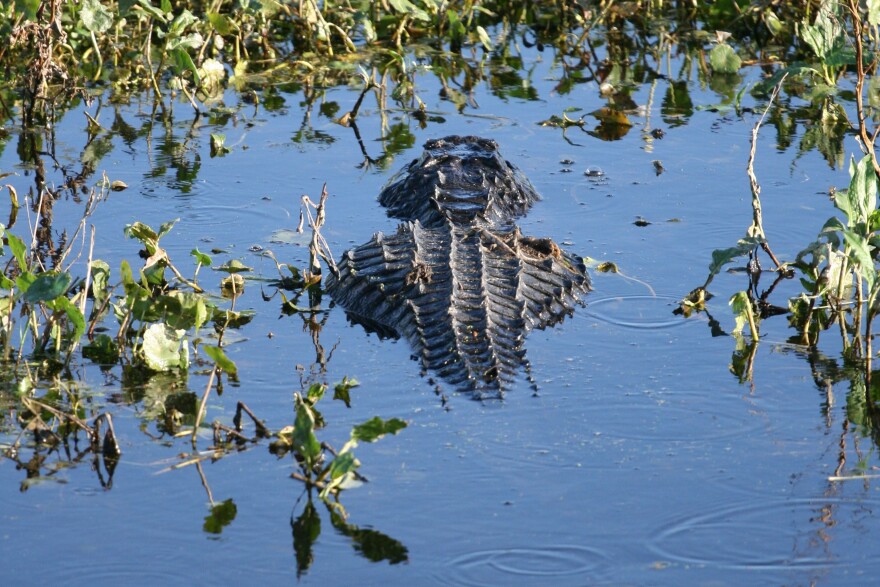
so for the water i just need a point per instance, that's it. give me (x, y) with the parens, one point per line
(638, 457)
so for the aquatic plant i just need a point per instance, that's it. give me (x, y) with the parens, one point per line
(839, 270)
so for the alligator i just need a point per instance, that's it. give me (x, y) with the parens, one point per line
(458, 279)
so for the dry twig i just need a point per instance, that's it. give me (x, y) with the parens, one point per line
(757, 227)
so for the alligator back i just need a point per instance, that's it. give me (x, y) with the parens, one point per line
(459, 179)
(458, 280)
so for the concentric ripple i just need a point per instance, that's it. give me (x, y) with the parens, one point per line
(683, 415)
(121, 573)
(777, 534)
(550, 565)
(635, 311)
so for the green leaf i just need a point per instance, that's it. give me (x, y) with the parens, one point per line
(861, 255)
(341, 473)
(859, 201)
(100, 271)
(268, 8)
(218, 146)
(157, 13)
(95, 17)
(103, 350)
(369, 31)
(166, 227)
(742, 310)
(484, 38)
(25, 280)
(315, 392)
(18, 248)
(874, 12)
(772, 22)
(183, 62)
(180, 310)
(456, 28)
(125, 273)
(125, 6)
(180, 23)
(220, 22)
(827, 37)
(201, 258)
(134, 291)
(233, 266)
(723, 59)
(143, 233)
(190, 41)
(344, 464)
(342, 390)
(46, 287)
(162, 349)
(74, 315)
(304, 440)
(721, 257)
(220, 358)
(407, 7)
(375, 428)
(28, 7)
(222, 514)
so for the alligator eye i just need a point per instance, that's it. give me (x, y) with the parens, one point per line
(488, 144)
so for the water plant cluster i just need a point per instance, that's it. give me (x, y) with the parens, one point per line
(836, 274)
(838, 270)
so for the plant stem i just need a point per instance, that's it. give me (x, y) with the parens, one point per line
(867, 142)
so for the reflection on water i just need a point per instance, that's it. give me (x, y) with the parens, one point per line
(367, 542)
(459, 280)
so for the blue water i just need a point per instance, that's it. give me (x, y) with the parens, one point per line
(641, 459)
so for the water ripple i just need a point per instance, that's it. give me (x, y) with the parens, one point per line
(780, 534)
(677, 416)
(102, 572)
(635, 311)
(557, 565)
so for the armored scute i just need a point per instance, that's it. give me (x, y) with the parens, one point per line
(458, 280)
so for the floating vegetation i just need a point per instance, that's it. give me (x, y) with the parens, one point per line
(158, 315)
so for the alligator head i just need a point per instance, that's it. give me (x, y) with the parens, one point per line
(458, 279)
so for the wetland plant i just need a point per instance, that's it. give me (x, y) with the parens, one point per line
(838, 272)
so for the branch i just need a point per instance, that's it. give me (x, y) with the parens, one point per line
(757, 227)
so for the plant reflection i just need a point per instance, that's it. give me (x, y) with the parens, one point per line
(56, 431)
(368, 543)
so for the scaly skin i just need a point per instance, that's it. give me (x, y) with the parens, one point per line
(458, 280)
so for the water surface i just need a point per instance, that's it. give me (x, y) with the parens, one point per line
(634, 456)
